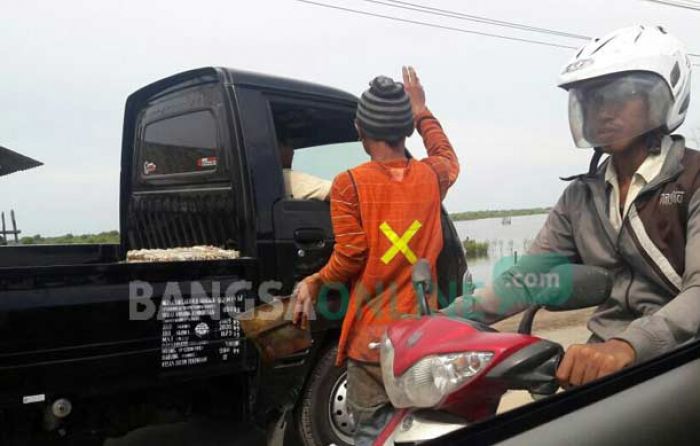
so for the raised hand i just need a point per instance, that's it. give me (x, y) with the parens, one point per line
(414, 89)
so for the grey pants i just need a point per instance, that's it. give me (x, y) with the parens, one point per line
(367, 401)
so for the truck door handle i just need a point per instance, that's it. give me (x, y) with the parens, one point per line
(311, 237)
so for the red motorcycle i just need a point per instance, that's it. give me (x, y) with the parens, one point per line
(443, 373)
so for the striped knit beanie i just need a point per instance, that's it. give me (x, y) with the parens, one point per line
(384, 111)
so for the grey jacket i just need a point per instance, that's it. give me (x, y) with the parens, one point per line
(654, 259)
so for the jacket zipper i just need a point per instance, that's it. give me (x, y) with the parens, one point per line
(625, 222)
(627, 293)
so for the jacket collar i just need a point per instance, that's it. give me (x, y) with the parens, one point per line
(671, 168)
(650, 167)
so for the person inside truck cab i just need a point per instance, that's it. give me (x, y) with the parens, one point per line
(300, 185)
(386, 215)
(638, 214)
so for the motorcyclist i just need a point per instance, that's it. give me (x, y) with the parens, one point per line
(638, 214)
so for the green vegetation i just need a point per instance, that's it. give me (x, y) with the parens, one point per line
(478, 215)
(476, 249)
(102, 237)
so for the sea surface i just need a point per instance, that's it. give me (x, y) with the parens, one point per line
(505, 240)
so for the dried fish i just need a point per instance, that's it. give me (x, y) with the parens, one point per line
(192, 253)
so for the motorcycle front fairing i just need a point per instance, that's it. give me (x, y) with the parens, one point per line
(429, 362)
(444, 373)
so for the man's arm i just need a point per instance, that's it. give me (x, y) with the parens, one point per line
(303, 186)
(509, 294)
(349, 253)
(441, 155)
(675, 323)
(679, 320)
(350, 250)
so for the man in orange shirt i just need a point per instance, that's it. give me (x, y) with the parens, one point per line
(386, 215)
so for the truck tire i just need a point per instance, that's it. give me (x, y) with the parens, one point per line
(323, 417)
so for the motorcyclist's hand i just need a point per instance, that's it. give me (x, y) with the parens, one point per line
(414, 89)
(461, 307)
(305, 296)
(585, 363)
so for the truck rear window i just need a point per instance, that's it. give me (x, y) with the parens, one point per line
(181, 144)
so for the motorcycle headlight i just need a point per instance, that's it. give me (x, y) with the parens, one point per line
(431, 379)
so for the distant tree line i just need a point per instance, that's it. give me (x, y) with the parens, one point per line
(478, 215)
(101, 238)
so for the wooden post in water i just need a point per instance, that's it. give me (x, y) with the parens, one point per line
(4, 232)
(14, 225)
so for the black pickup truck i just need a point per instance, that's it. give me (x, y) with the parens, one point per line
(92, 346)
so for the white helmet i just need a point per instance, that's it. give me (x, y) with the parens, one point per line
(633, 62)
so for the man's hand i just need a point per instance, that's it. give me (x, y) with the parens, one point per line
(584, 363)
(414, 90)
(305, 294)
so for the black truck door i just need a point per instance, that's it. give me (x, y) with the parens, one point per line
(304, 237)
(322, 134)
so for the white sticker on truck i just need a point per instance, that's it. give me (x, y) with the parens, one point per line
(31, 399)
(199, 331)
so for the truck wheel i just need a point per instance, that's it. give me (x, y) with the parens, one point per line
(324, 418)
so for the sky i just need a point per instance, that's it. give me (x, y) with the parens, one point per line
(68, 67)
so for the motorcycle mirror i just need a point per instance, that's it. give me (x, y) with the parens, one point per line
(422, 283)
(421, 274)
(590, 286)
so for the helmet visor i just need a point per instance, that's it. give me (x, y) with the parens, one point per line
(615, 109)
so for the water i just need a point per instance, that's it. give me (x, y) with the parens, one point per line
(504, 240)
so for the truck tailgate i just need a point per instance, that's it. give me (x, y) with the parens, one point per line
(91, 329)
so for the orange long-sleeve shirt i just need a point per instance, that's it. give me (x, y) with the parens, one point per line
(383, 222)
(351, 247)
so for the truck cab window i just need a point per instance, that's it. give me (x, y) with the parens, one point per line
(315, 142)
(327, 161)
(181, 144)
(184, 148)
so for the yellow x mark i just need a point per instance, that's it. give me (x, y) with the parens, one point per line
(400, 244)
